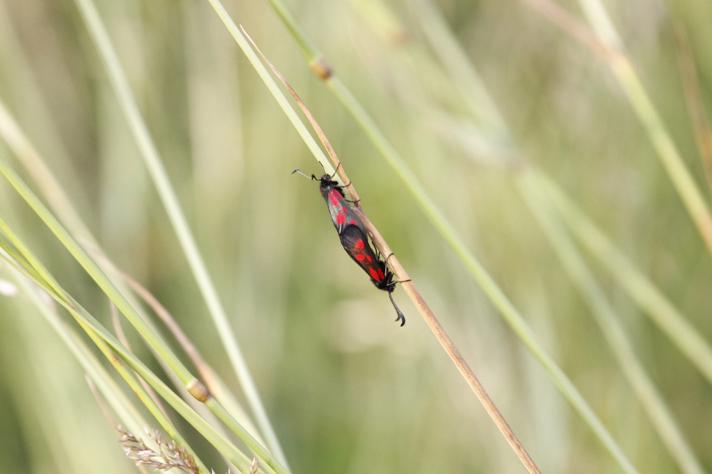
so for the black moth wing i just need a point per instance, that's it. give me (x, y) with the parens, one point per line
(355, 241)
(341, 211)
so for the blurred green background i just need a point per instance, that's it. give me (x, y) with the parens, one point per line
(346, 389)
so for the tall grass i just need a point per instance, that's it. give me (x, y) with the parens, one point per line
(525, 195)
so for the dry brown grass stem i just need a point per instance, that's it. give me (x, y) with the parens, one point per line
(167, 319)
(409, 287)
(204, 370)
(207, 374)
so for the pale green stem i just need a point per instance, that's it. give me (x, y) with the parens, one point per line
(481, 104)
(509, 313)
(612, 329)
(22, 148)
(114, 395)
(53, 192)
(668, 318)
(271, 84)
(95, 329)
(244, 44)
(122, 304)
(143, 396)
(663, 313)
(158, 174)
(665, 147)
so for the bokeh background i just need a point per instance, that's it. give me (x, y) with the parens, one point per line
(346, 389)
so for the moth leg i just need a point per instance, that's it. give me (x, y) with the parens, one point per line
(343, 185)
(399, 281)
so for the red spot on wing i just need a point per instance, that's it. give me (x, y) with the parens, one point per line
(359, 245)
(335, 198)
(340, 217)
(375, 273)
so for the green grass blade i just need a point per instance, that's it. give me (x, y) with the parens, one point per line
(104, 383)
(123, 305)
(639, 99)
(115, 397)
(510, 314)
(95, 330)
(168, 197)
(612, 329)
(668, 318)
(506, 309)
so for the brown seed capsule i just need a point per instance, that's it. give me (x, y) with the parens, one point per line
(198, 390)
(320, 68)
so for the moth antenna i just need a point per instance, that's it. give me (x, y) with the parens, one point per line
(401, 316)
(300, 172)
(336, 171)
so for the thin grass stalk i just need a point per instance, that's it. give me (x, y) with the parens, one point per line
(53, 192)
(253, 57)
(199, 407)
(228, 409)
(31, 160)
(108, 416)
(222, 444)
(38, 388)
(111, 392)
(144, 396)
(607, 319)
(210, 378)
(50, 188)
(42, 176)
(606, 43)
(194, 386)
(626, 75)
(646, 295)
(23, 149)
(121, 335)
(32, 102)
(506, 309)
(438, 36)
(669, 319)
(93, 328)
(27, 155)
(243, 42)
(152, 338)
(168, 197)
(428, 315)
(689, 77)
